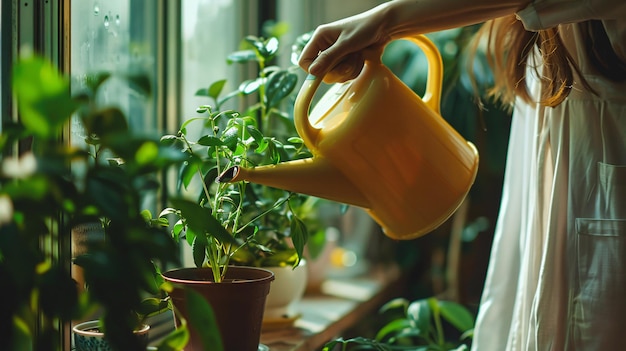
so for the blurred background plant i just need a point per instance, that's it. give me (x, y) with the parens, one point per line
(47, 187)
(423, 325)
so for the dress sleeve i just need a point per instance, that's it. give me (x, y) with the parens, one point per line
(543, 14)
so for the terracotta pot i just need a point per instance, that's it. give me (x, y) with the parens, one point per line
(88, 338)
(238, 303)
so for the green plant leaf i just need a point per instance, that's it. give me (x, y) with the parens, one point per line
(104, 122)
(279, 85)
(250, 86)
(43, 96)
(265, 49)
(468, 334)
(242, 56)
(152, 306)
(275, 29)
(201, 317)
(147, 153)
(94, 81)
(459, 316)
(140, 82)
(202, 92)
(201, 221)
(270, 47)
(299, 237)
(420, 313)
(395, 304)
(216, 88)
(230, 138)
(210, 140)
(394, 327)
(198, 250)
(176, 340)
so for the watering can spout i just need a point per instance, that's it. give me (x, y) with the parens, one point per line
(312, 176)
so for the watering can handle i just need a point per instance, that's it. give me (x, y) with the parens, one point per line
(432, 94)
(303, 125)
(431, 98)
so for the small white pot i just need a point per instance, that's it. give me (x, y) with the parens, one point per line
(286, 290)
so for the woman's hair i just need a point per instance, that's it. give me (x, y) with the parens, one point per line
(510, 48)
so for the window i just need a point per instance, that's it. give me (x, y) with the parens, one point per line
(117, 36)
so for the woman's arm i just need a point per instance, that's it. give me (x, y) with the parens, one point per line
(338, 45)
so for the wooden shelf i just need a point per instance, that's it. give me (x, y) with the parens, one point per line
(341, 304)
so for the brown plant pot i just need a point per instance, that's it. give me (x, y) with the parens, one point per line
(238, 303)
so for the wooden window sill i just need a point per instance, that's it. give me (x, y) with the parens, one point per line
(341, 304)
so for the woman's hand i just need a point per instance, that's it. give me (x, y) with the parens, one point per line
(335, 51)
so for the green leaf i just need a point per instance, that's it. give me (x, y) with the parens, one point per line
(459, 316)
(151, 306)
(230, 138)
(210, 140)
(394, 327)
(105, 122)
(395, 304)
(275, 29)
(255, 133)
(147, 153)
(270, 47)
(95, 80)
(202, 92)
(198, 249)
(216, 88)
(141, 83)
(201, 221)
(279, 85)
(176, 340)
(299, 236)
(201, 317)
(43, 96)
(250, 86)
(242, 56)
(420, 313)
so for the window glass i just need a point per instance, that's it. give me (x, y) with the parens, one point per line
(211, 29)
(117, 36)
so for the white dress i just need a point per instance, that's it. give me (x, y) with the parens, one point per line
(557, 273)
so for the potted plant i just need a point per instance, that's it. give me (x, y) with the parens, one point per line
(285, 228)
(50, 186)
(421, 325)
(232, 227)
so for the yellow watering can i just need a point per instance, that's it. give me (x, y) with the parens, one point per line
(378, 145)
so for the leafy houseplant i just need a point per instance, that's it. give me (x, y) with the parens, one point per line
(243, 222)
(238, 222)
(42, 197)
(419, 325)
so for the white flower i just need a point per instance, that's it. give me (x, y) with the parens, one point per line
(23, 167)
(6, 209)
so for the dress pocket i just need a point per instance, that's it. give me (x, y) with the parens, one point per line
(599, 304)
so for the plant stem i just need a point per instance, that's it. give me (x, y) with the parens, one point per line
(439, 328)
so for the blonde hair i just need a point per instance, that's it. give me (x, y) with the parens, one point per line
(509, 50)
